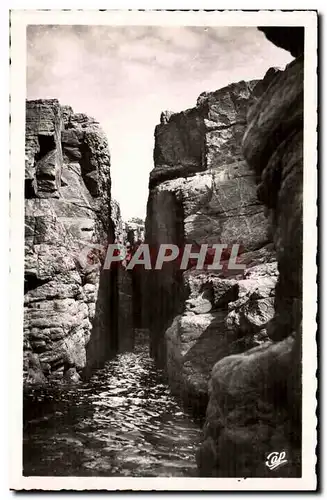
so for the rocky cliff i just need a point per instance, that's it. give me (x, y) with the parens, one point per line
(230, 171)
(70, 218)
(227, 171)
(255, 397)
(203, 191)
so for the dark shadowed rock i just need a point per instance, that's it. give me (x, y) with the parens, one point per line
(275, 117)
(255, 397)
(203, 137)
(273, 144)
(290, 38)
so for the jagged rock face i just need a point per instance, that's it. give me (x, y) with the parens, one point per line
(67, 213)
(222, 316)
(43, 153)
(134, 231)
(279, 113)
(201, 191)
(204, 137)
(255, 397)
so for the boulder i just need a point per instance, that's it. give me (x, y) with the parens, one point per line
(290, 38)
(247, 418)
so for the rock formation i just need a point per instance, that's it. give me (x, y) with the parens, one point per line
(203, 191)
(130, 288)
(227, 171)
(255, 397)
(230, 171)
(70, 218)
(290, 38)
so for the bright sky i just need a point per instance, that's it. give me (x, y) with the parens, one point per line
(125, 76)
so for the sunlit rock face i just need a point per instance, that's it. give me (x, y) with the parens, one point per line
(222, 316)
(67, 325)
(203, 191)
(255, 397)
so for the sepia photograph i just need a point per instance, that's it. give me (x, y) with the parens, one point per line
(163, 216)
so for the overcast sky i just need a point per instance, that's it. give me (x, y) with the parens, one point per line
(125, 76)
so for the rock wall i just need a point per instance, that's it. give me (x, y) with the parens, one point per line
(68, 325)
(203, 191)
(255, 397)
(130, 288)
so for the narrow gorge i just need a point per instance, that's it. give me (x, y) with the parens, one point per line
(168, 372)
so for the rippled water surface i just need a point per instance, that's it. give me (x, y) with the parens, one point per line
(123, 422)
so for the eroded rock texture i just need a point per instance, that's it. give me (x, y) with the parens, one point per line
(255, 397)
(222, 316)
(130, 287)
(203, 191)
(68, 325)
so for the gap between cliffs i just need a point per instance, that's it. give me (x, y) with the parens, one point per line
(230, 343)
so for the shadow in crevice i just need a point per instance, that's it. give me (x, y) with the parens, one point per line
(103, 343)
(117, 315)
(163, 290)
(46, 143)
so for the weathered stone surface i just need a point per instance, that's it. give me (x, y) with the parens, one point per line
(255, 397)
(247, 417)
(203, 137)
(43, 154)
(134, 231)
(32, 369)
(254, 307)
(71, 376)
(201, 191)
(274, 117)
(117, 222)
(67, 219)
(125, 309)
(221, 317)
